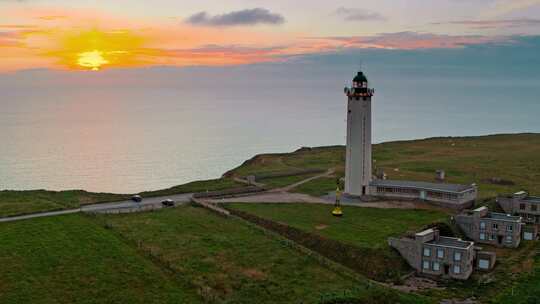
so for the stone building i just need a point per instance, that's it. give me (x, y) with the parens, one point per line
(520, 203)
(492, 228)
(434, 255)
(445, 195)
(526, 206)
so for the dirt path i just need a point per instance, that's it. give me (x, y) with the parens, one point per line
(243, 181)
(290, 187)
(287, 197)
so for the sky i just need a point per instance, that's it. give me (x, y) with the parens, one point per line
(79, 35)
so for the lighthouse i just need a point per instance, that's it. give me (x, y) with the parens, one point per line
(358, 172)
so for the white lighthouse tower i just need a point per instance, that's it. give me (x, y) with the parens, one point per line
(358, 172)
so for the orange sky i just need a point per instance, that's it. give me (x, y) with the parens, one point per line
(74, 39)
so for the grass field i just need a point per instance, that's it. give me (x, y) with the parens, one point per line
(71, 259)
(230, 262)
(180, 255)
(512, 158)
(278, 182)
(516, 278)
(524, 290)
(196, 186)
(23, 202)
(317, 187)
(363, 227)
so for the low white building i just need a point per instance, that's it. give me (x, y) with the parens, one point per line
(445, 195)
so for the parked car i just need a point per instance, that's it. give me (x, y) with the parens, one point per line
(136, 198)
(168, 203)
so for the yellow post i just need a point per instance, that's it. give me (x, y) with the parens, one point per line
(337, 206)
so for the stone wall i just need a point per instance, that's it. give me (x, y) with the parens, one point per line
(377, 264)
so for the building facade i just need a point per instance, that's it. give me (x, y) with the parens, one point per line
(358, 172)
(498, 229)
(520, 203)
(445, 195)
(434, 255)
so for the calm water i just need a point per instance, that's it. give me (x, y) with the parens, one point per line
(128, 131)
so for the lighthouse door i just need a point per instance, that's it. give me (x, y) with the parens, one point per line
(363, 190)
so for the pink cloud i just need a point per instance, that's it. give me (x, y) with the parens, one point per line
(413, 40)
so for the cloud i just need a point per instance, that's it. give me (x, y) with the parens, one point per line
(490, 24)
(414, 40)
(243, 17)
(505, 7)
(357, 14)
(10, 39)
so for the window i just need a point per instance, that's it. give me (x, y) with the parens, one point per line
(427, 252)
(482, 225)
(425, 265)
(509, 239)
(457, 269)
(493, 237)
(457, 256)
(436, 266)
(440, 253)
(534, 207)
(482, 236)
(483, 264)
(522, 206)
(509, 227)
(495, 226)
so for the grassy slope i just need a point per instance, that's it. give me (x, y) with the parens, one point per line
(515, 279)
(317, 187)
(465, 159)
(23, 202)
(229, 261)
(277, 182)
(363, 227)
(71, 259)
(526, 289)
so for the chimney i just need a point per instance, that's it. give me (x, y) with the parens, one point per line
(440, 175)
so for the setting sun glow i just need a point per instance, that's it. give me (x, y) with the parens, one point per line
(97, 48)
(93, 60)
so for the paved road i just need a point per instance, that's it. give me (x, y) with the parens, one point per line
(178, 198)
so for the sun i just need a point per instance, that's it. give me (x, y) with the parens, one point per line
(93, 60)
(97, 49)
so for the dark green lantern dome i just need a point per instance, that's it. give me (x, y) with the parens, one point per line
(360, 77)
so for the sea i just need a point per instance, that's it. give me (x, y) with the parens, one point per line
(126, 131)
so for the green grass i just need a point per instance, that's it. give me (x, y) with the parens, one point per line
(71, 259)
(465, 159)
(230, 262)
(317, 187)
(24, 202)
(525, 290)
(308, 158)
(516, 278)
(196, 186)
(278, 182)
(363, 227)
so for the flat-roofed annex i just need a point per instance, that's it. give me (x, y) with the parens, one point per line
(442, 187)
